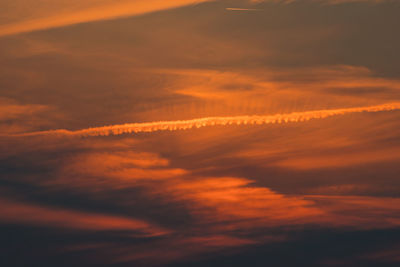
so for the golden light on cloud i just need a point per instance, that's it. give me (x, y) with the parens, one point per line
(95, 11)
(199, 133)
(60, 218)
(232, 200)
(215, 121)
(340, 160)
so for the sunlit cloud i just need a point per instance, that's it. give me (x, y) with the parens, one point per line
(283, 84)
(341, 160)
(16, 117)
(14, 212)
(121, 169)
(63, 15)
(233, 201)
(11, 110)
(330, 2)
(215, 121)
(358, 211)
(208, 131)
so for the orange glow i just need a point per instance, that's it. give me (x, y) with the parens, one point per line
(231, 199)
(215, 121)
(340, 160)
(98, 11)
(199, 132)
(60, 218)
(125, 167)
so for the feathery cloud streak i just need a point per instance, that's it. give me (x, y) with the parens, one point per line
(98, 10)
(214, 121)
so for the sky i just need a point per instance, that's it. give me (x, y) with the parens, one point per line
(199, 133)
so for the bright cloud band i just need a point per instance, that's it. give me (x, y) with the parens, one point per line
(214, 121)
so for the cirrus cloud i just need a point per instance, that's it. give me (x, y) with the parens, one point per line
(47, 15)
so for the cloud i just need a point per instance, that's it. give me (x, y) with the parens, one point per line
(338, 2)
(30, 214)
(341, 159)
(217, 213)
(11, 110)
(120, 169)
(330, 2)
(238, 205)
(215, 121)
(362, 212)
(386, 255)
(231, 203)
(342, 80)
(214, 190)
(69, 13)
(17, 117)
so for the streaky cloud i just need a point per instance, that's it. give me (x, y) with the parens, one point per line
(149, 127)
(33, 214)
(95, 13)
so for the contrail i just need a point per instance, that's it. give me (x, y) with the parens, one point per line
(148, 127)
(242, 9)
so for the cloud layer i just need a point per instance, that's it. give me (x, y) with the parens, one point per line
(47, 15)
(291, 144)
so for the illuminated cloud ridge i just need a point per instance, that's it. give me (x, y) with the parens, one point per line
(46, 18)
(149, 127)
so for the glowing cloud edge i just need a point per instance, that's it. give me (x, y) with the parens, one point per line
(149, 127)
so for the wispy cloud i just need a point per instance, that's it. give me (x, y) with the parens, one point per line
(329, 2)
(215, 121)
(22, 213)
(44, 17)
(16, 117)
(340, 160)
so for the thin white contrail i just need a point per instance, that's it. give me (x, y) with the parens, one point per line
(213, 121)
(242, 9)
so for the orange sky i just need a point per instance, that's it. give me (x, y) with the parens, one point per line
(25, 15)
(199, 133)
